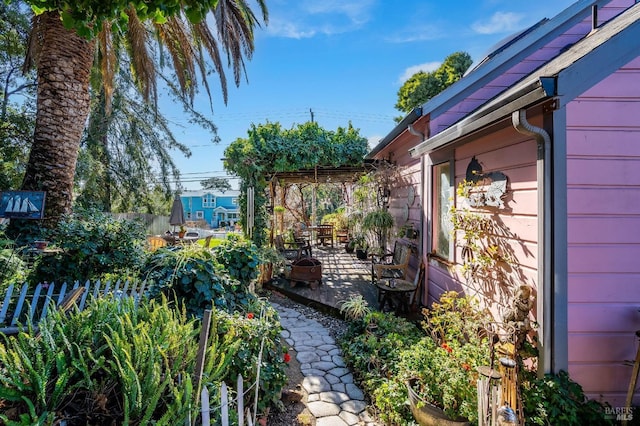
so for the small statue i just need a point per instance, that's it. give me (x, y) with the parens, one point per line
(518, 315)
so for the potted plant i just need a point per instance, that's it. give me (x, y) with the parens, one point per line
(408, 231)
(379, 222)
(355, 308)
(182, 231)
(360, 245)
(440, 370)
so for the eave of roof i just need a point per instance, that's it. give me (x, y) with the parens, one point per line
(622, 31)
(410, 118)
(496, 62)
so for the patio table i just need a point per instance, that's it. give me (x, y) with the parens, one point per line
(395, 291)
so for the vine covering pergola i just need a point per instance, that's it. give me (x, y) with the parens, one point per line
(271, 155)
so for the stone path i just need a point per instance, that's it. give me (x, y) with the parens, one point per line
(333, 398)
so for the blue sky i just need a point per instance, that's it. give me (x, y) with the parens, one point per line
(344, 61)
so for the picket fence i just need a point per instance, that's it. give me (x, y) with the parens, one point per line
(21, 307)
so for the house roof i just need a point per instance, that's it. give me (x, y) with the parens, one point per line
(202, 192)
(603, 51)
(524, 45)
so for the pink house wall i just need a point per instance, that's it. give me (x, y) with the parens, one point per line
(410, 176)
(603, 199)
(513, 154)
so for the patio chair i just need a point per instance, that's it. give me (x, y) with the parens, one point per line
(392, 265)
(324, 233)
(404, 295)
(290, 251)
(155, 243)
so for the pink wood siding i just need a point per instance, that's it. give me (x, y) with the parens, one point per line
(603, 199)
(409, 176)
(514, 154)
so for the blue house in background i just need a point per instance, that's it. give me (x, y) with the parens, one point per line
(216, 208)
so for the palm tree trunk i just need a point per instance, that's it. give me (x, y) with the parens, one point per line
(64, 65)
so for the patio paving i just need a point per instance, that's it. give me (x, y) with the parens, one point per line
(343, 277)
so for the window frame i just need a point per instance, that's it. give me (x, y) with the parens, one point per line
(440, 214)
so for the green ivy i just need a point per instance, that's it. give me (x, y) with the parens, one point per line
(558, 400)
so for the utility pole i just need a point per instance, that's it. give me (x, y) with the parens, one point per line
(311, 112)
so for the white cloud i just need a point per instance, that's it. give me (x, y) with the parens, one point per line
(304, 19)
(500, 22)
(373, 141)
(413, 34)
(426, 67)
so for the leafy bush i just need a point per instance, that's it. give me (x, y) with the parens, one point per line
(191, 276)
(12, 267)
(93, 244)
(257, 331)
(239, 257)
(373, 352)
(113, 363)
(558, 400)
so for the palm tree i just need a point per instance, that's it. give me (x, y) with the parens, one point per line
(64, 58)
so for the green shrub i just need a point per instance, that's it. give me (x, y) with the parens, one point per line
(239, 257)
(12, 267)
(373, 352)
(558, 400)
(258, 330)
(113, 363)
(93, 244)
(192, 277)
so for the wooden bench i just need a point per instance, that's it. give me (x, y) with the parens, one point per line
(19, 306)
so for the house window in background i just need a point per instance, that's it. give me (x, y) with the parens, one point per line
(442, 199)
(199, 214)
(208, 200)
(234, 201)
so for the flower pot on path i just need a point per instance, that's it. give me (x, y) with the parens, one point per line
(427, 414)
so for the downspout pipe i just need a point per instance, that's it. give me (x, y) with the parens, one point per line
(544, 299)
(423, 220)
(415, 132)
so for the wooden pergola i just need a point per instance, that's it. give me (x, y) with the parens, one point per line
(318, 175)
(322, 174)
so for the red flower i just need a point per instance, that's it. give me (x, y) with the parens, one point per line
(250, 315)
(287, 357)
(447, 348)
(466, 366)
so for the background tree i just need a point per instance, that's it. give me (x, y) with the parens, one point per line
(63, 56)
(125, 153)
(17, 95)
(422, 86)
(216, 183)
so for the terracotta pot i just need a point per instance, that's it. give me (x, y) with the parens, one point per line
(427, 414)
